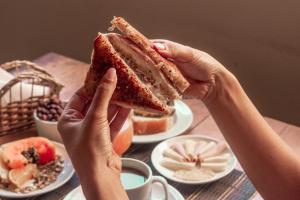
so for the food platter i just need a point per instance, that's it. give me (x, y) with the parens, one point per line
(158, 156)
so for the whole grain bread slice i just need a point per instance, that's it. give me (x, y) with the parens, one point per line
(169, 69)
(130, 91)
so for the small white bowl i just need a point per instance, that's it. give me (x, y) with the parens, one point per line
(47, 129)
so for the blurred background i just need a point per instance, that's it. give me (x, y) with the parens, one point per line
(258, 40)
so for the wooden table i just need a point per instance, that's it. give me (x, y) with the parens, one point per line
(71, 73)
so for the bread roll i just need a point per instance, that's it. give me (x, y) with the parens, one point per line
(150, 125)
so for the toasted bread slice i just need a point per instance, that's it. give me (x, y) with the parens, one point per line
(144, 67)
(168, 68)
(130, 91)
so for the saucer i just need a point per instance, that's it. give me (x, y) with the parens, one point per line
(156, 193)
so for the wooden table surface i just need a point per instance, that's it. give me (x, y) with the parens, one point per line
(71, 73)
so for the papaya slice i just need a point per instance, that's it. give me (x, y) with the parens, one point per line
(18, 154)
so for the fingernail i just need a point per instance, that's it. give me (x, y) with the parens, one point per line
(159, 46)
(110, 74)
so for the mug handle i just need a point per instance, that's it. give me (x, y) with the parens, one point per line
(164, 183)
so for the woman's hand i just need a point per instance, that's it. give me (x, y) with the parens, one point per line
(197, 66)
(259, 149)
(88, 127)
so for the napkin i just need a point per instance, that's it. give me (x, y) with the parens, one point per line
(19, 91)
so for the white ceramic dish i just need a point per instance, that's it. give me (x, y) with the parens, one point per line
(157, 156)
(156, 194)
(182, 120)
(47, 129)
(63, 177)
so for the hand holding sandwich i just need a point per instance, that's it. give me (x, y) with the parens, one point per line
(87, 127)
(259, 149)
(149, 81)
(198, 67)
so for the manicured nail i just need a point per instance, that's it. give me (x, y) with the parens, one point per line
(110, 74)
(159, 46)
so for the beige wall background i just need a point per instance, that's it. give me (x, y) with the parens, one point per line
(258, 40)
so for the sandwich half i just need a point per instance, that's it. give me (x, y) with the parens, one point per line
(146, 80)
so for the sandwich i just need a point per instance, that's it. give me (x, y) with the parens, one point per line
(146, 80)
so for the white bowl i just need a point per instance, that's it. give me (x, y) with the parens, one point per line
(47, 129)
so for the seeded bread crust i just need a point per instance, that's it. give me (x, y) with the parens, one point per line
(130, 91)
(169, 69)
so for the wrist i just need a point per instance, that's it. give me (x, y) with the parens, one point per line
(102, 182)
(100, 168)
(223, 87)
(100, 178)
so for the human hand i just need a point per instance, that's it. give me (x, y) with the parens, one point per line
(200, 69)
(88, 127)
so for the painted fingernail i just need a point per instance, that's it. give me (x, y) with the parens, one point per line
(110, 74)
(159, 46)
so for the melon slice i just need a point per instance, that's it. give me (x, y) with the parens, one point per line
(3, 168)
(20, 176)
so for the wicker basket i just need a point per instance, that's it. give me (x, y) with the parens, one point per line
(17, 114)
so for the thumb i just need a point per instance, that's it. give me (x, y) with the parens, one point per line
(99, 106)
(177, 52)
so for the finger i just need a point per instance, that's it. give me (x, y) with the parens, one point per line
(159, 41)
(99, 106)
(112, 112)
(73, 113)
(74, 110)
(175, 51)
(78, 100)
(199, 91)
(117, 123)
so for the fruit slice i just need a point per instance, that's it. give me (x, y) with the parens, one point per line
(3, 168)
(20, 176)
(123, 139)
(12, 153)
(45, 149)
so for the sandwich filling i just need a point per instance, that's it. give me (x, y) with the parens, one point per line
(144, 68)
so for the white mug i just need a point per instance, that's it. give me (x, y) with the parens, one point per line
(143, 192)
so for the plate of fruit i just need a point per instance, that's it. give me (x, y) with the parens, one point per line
(33, 166)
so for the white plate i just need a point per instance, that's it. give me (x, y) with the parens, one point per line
(156, 193)
(157, 156)
(182, 120)
(63, 177)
